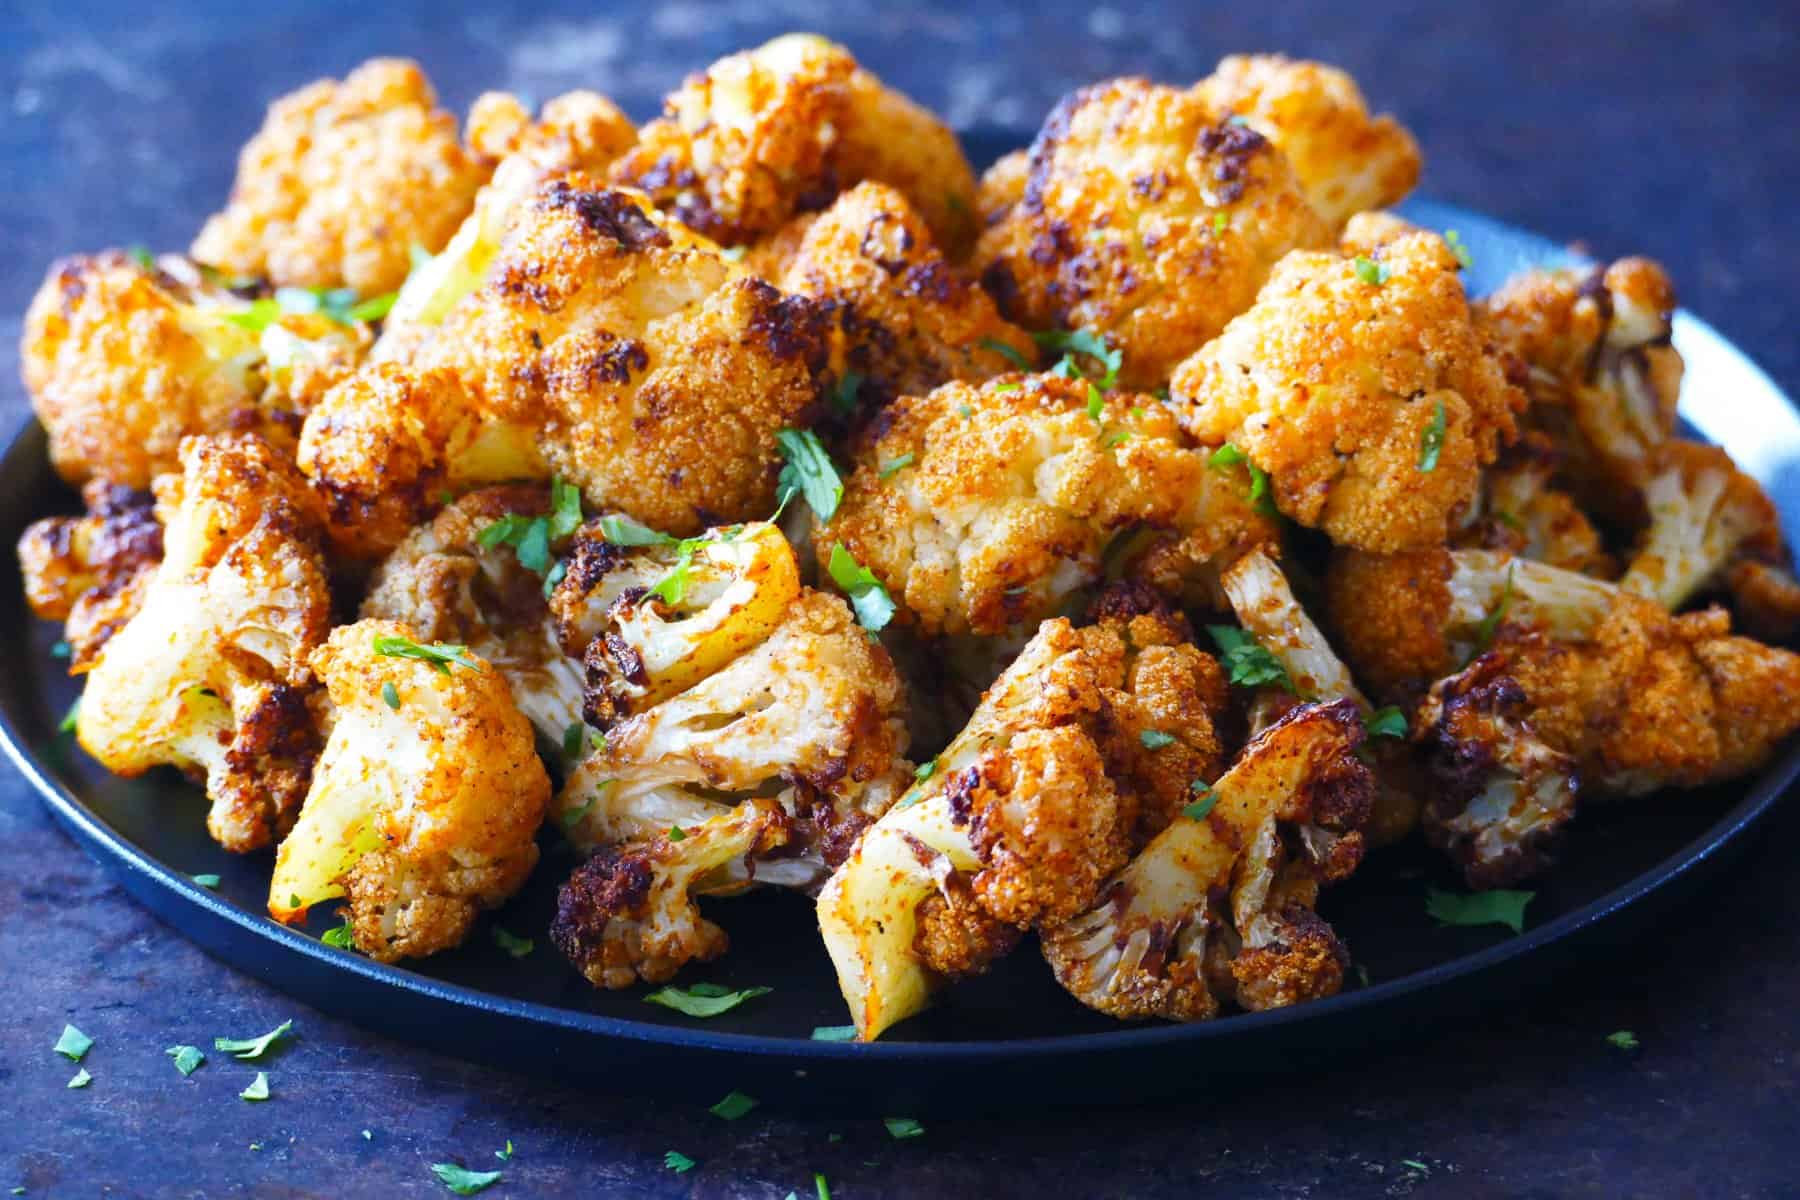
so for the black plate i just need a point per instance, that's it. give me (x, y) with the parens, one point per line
(1622, 867)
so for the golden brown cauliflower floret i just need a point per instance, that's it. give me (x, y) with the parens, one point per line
(91, 571)
(1148, 219)
(1363, 389)
(909, 321)
(427, 796)
(981, 508)
(211, 674)
(1002, 186)
(1218, 909)
(766, 133)
(341, 181)
(123, 360)
(1347, 161)
(655, 373)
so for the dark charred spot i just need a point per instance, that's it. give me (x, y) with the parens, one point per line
(1128, 598)
(933, 280)
(998, 281)
(819, 196)
(611, 884)
(876, 238)
(823, 825)
(527, 283)
(615, 359)
(959, 793)
(793, 327)
(1232, 146)
(608, 214)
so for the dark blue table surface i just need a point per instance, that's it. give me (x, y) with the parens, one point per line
(1661, 128)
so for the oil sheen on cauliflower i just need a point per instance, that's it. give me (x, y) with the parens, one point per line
(425, 801)
(211, 675)
(1360, 384)
(343, 179)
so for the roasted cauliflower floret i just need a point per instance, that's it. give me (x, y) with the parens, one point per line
(342, 180)
(1704, 514)
(1218, 909)
(1147, 218)
(1597, 364)
(211, 674)
(982, 508)
(123, 359)
(1519, 511)
(426, 798)
(1348, 162)
(766, 133)
(1363, 389)
(1002, 186)
(908, 319)
(90, 572)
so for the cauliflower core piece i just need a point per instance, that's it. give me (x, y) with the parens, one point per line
(1148, 218)
(341, 181)
(1361, 386)
(211, 674)
(422, 812)
(982, 508)
(123, 360)
(1347, 161)
(1218, 909)
(91, 572)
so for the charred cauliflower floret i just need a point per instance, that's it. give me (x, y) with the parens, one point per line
(1348, 162)
(1023, 815)
(1218, 909)
(908, 319)
(1597, 364)
(426, 798)
(766, 133)
(456, 579)
(341, 181)
(656, 373)
(1147, 218)
(211, 674)
(124, 358)
(1363, 389)
(982, 508)
(1704, 515)
(1519, 511)
(90, 572)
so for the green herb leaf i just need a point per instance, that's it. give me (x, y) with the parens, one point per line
(1261, 498)
(1005, 351)
(390, 696)
(902, 1128)
(1219, 222)
(207, 881)
(808, 472)
(1624, 1039)
(341, 938)
(703, 1000)
(1156, 739)
(677, 834)
(1454, 239)
(61, 649)
(254, 1047)
(1009, 386)
(1247, 661)
(1386, 722)
(71, 718)
(1198, 809)
(1416, 1165)
(565, 509)
(463, 1181)
(1084, 341)
(869, 599)
(1227, 455)
(73, 1043)
(1067, 367)
(258, 1089)
(511, 942)
(895, 465)
(621, 530)
(672, 587)
(925, 770)
(506, 1154)
(141, 255)
(439, 654)
(1490, 624)
(557, 570)
(821, 1187)
(80, 1079)
(374, 308)
(1431, 441)
(187, 1058)
(257, 317)
(573, 742)
(1117, 437)
(1498, 907)
(1371, 272)
(1096, 405)
(843, 396)
(834, 1033)
(677, 1162)
(734, 1105)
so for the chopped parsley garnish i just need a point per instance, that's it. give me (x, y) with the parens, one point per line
(1227, 455)
(207, 881)
(71, 718)
(901, 1128)
(734, 1105)
(439, 654)
(677, 1162)
(1084, 341)
(1219, 223)
(254, 1047)
(821, 1187)
(390, 696)
(621, 530)
(61, 649)
(808, 472)
(1624, 1039)
(80, 1079)
(506, 1154)
(1198, 809)
(1007, 352)
(1260, 497)
(672, 587)
(557, 570)
(1490, 624)
(1156, 739)
(964, 411)
(573, 741)
(1386, 722)
(1096, 405)
(343, 937)
(869, 599)
(1247, 661)
(1497, 907)
(895, 465)
(187, 1058)
(1371, 272)
(834, 1033)
(677, 834)
(703, 999)
(463, 1181)
(257, 317)
(1010, 386)
(141, 255)
(843, 396)
(73, 1043)
(1454, 239)
(339, 304)
(1416, 1165)
(1431, 442)
(511, 942)
(258, 1089)
(925, 770)
(1117, 437)
(531, 537)
(374, 308)
(1509, 520)
(1067, 367)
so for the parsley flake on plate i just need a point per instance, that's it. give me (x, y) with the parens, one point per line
(1624, 1039)
(463, 1181)
(677, 1162)
(703, 999)
(511, 942)
(834, 1033)
(902, 1128)
(506, 1154)
(248, 1048)
(1496, 907)
(207, 881)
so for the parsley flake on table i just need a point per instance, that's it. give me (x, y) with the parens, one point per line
(734, 1105)
(1387, 721)
(511, 942)
(902, 1128)
(73, 1044)
(869, 598)
(463, 1181)
(207, 881)
(1624, 1039)
(187, 1058)
(80, 1079)
(808, 472)
(1496, 907)
(703, 999)
(1247, 661)
(1431, 442)
(834, 1033)
(1156, 739)
(248, 1048)
(439, 654)
(258, 1089)
(506, 1154)
(677, 1162)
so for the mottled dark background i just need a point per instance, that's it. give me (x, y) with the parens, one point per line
(1663, 128)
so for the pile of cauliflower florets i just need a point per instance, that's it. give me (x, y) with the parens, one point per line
(759, 498)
